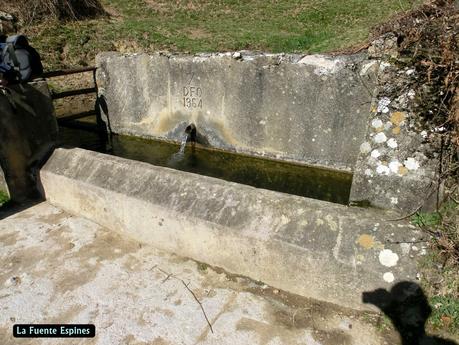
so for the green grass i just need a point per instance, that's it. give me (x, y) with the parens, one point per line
(439, 268)
(445, 314)
(308, 26)
(426, 219)
(3, 198)
(202, 266)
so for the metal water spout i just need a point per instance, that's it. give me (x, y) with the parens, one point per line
(190, 130)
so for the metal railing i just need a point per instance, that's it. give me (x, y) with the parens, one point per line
(69, 120)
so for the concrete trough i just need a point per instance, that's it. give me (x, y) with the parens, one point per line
(316, 109)
(309, 109)
(312, 248)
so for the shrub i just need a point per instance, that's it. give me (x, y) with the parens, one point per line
(28, 11)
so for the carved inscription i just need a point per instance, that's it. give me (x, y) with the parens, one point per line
(192, 97)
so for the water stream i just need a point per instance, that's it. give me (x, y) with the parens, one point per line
(183, 144)
(178, 156)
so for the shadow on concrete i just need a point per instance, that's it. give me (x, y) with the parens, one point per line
(407, 307)
(105, 128)
(28, 132)
(10, 208)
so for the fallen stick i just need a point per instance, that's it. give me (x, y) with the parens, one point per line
(200, 304)
(169, 275)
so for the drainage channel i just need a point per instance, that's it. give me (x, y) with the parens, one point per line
(312, 182)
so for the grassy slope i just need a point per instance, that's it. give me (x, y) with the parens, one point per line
(214, 25)
(439, 269)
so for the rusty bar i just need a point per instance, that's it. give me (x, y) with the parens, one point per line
(59, 73)
(64, 119)
(73, 93)
(90, 127)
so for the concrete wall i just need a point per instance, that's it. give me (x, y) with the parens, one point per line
(28, 131)
(398, 161)
(309, 247)
(319, 110)
(311, 109)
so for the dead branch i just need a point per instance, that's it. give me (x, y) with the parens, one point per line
(200, 304)
(170, 275)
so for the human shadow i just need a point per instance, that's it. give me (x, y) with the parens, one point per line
(28, 131)
(104, 127)
(10, 208)
(407, 306)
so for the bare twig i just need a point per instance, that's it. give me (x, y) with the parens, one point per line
(418, 208)
(408, 215)
(411, 242)
(200, 304)
(165, 279)
(170, 275)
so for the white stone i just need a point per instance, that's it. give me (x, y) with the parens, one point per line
(384, 65)
(365, 147)
(394, 166)
(382, 169)
(424, 134)
(6, 16)
(392, 143)
(388, 258)
(376, 123)
(383, 105)
(406, 247)
(375, 154)
(410, 72)
(394, 200)
(411, 94)
(411, 164)
(388, 277)
(324, 65)
(366, 67)
(380, 138)
(368, 172)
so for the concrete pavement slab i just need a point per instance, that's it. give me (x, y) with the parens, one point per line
(60, 268)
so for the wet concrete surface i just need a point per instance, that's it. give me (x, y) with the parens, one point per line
(60, 268)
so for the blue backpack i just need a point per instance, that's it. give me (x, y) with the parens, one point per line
(15, 57)
(4, 66)
(9, 66)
